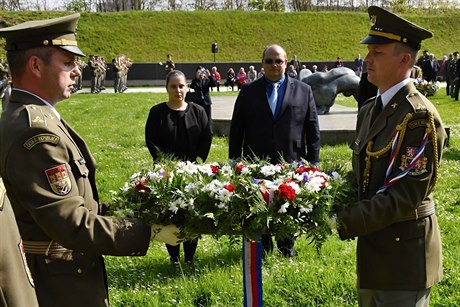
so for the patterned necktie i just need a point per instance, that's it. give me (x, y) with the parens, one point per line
(377, 108)
(273, 99)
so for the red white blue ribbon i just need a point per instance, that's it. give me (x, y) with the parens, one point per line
(387, 183)
(252, 272)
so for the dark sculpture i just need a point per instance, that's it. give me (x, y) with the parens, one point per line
(326, 86)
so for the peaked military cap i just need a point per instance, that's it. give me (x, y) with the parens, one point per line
(387, 27)
(59, 32)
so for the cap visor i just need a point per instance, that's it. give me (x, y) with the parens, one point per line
(372, 39)
(73, 49)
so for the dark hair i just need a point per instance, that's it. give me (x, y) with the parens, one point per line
(174, 73)
(17, 60)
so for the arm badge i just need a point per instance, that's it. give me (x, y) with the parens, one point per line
(59, 180)
(419, 164)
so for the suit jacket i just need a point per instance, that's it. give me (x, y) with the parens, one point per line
(293, 134)
(49, 174)
(16, 283)
(394, 252)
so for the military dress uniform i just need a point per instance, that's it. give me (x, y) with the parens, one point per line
(49, 175)
(16, 283)
(396, 156)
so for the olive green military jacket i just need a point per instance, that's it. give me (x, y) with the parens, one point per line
(49, 174)
(398, 247)
(16, 283)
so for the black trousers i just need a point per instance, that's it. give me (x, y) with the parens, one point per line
(285, 246)
(189, 251)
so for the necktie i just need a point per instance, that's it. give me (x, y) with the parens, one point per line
(273, 99)
(377, 108)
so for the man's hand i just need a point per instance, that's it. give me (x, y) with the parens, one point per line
(167, 234)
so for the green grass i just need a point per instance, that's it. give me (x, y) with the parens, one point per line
(113, 126)
(313, 36)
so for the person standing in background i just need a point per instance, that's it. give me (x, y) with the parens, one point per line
(275, 118)
(182, 130)
(169, 64)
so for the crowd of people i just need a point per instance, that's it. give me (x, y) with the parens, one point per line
(48, 172)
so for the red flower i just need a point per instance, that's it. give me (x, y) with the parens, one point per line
(286, 191)
(265, 194)
(239, 168)
(229, 187)
(141, 187)
(304, 169)
(214, 169)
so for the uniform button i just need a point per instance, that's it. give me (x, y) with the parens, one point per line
(397, 239)
(79, 271)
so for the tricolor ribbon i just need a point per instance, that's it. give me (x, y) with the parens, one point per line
(387, 183)
(252, 272)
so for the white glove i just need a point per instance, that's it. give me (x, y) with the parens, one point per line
(166, 234)
(333, 221)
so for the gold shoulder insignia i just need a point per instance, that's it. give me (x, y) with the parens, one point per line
(41, 138)
(417, 101)
(36, 116)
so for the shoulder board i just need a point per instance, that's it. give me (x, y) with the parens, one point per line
(36, 116)
(417, 101)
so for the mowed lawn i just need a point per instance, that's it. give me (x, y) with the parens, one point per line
(113, 126)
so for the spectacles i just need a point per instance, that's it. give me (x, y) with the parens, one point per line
(270, 61)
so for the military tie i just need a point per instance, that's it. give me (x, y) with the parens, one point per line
(273, 99)
(377, 108)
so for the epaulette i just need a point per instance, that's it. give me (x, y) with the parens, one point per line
(36, 116)
(417, 101)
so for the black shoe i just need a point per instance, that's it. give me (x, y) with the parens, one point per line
(174, 260)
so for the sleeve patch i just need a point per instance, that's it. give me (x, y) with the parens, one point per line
(41, 138)
(419, 165)
(59, 180)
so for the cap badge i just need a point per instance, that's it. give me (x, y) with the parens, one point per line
(373, 20)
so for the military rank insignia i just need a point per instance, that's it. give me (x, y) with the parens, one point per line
(59, 180)
(419, 165)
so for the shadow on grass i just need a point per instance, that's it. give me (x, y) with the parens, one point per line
(451, 153)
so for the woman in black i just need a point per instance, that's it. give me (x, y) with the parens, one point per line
(180, 129)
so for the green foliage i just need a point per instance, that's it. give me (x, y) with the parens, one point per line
(113, 126)
(242, 35)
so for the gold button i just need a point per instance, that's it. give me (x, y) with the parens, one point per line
(46, 42)
(397, 239)
(79, 271)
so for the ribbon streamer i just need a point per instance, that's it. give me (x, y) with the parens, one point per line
(252, 272)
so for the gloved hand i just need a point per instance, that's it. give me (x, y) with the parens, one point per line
(333, 221)
(166, 234)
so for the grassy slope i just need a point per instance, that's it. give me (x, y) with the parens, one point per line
(149, 36)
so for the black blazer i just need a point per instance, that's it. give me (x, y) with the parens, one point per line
(292, 135)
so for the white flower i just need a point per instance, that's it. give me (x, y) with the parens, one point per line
(174, 206)
(186, 167)
(226, 170)
(270, 170)
(192, 188)
(306, 210)
(224, 195)
(156, 176)
(283, 208)
(315, 184)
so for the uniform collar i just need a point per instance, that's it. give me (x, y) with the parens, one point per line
(388, 95)
(41, 99)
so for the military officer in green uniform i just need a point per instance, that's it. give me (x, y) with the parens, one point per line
(16, 283)
(396, 155)
(49, 173)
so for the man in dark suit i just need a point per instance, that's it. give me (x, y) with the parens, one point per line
(399, 243)
(275, 118)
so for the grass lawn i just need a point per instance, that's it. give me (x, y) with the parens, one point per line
(113, 126)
